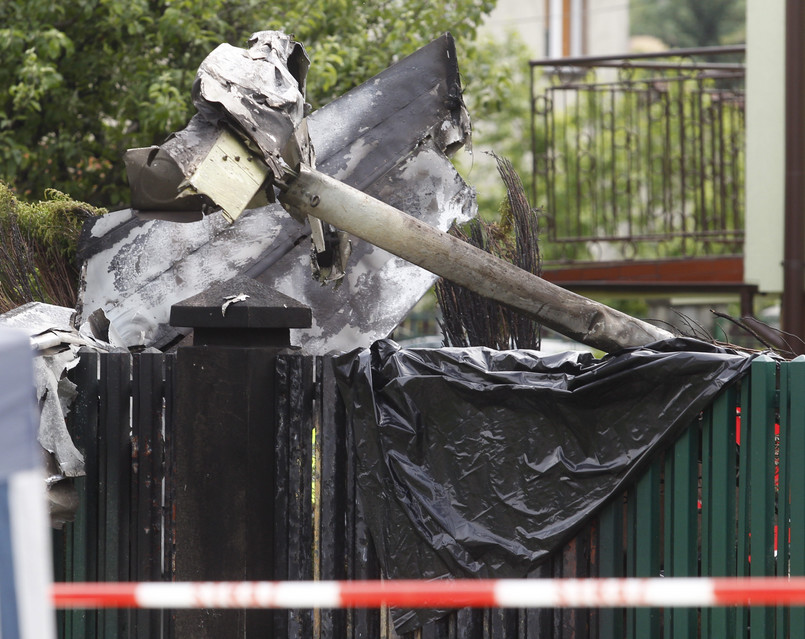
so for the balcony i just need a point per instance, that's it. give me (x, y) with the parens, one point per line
(638, 164)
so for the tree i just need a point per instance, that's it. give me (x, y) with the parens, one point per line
(690, 23)
(84, 80)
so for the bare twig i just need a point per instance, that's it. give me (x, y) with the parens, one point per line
(756, 328)
(469, 319)
(696, 329)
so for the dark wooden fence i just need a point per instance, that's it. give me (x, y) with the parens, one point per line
(707, 506)
(121, 421)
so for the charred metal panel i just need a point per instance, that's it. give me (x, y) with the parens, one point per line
(137, 278)
(371, 129)
(388, 137)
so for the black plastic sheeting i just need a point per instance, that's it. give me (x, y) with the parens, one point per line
(480, 463)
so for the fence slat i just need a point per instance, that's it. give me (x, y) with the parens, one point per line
(782, 550)
(610, 564)
(630, 556)
(439, 629)
(647, 544)
(168, 512)
(742, 559)
(361, 557)
(706, 510)
(718, 505)
(364, 566)
(539, 622)
(282, 497)
(84, 530)
(792, 385)
(681, 535)
(332, 446)
(147, 467)
(470, 624)
(762, 499)
(300, 485)
(114, 480)
(575, 555)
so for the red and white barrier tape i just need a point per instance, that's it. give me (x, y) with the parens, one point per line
(503, 593)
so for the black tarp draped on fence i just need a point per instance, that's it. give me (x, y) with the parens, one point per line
(479, 463)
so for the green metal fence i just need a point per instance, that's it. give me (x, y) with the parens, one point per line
(728, 499)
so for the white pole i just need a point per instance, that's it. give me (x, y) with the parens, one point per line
(582, 319)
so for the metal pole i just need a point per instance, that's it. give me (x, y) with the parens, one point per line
(582, 319)
(793, 303)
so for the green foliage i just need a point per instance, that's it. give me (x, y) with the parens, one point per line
(38, 248)
(690, 23)
(84, 80)
(498, 94)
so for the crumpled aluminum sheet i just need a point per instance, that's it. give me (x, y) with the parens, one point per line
(389, 137)
(54, 392)
(259, 90)
(56, 344)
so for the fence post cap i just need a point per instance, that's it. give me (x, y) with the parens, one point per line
(241, 312)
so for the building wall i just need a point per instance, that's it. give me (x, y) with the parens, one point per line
(608, 27)
(527, 19)
(597, 26)
(765, 144)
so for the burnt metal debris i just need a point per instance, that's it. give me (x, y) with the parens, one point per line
(388, 137)
(381, 148)
(56, 347)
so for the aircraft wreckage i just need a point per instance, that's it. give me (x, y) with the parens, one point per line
(370, 190)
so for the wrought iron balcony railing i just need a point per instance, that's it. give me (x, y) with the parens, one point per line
(640, 156)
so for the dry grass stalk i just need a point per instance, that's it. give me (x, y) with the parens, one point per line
(471, 320)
